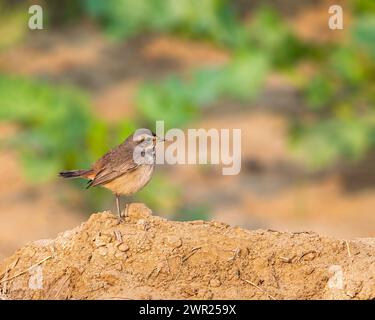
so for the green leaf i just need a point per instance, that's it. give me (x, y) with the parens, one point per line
(319, 91)
(364, 34)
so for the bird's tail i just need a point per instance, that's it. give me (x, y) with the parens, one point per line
(75, 173)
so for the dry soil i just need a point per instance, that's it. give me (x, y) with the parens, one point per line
(148, 257)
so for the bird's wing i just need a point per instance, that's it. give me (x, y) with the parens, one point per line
(106, 176)
(115, 163)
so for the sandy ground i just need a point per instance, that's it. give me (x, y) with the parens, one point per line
(148, 257)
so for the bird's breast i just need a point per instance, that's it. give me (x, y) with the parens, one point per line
(131, 182)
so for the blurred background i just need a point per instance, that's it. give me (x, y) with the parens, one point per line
(303, 95)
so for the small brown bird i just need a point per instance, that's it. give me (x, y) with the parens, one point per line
(125, 169)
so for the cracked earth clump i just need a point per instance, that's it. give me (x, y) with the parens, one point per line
(148, 257)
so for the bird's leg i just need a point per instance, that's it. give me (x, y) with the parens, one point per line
(118, 208)
(125, 214)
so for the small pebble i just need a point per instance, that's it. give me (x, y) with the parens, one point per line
(215, 283)
(120, 255)
(174, 241)
(123, 247)
(102, 251)
(102, 240)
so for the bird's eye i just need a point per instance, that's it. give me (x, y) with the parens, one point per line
(140, 138)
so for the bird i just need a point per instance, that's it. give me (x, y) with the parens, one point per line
(125, 169)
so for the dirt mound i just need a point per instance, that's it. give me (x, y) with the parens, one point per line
(148, 257)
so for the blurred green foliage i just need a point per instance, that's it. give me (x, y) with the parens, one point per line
(178, 102)
(55, 126)
(201, 212)
(342, 96)
(364, 34)
(343, 85)
(362, 6)
(57, 130)
(13, 26)
(270, 35)
(262, 43)
(335, 139)
(200, 18)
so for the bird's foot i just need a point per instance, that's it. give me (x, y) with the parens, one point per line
(123, 214)
(120, 219)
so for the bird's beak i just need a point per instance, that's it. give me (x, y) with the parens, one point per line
(158, 139)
